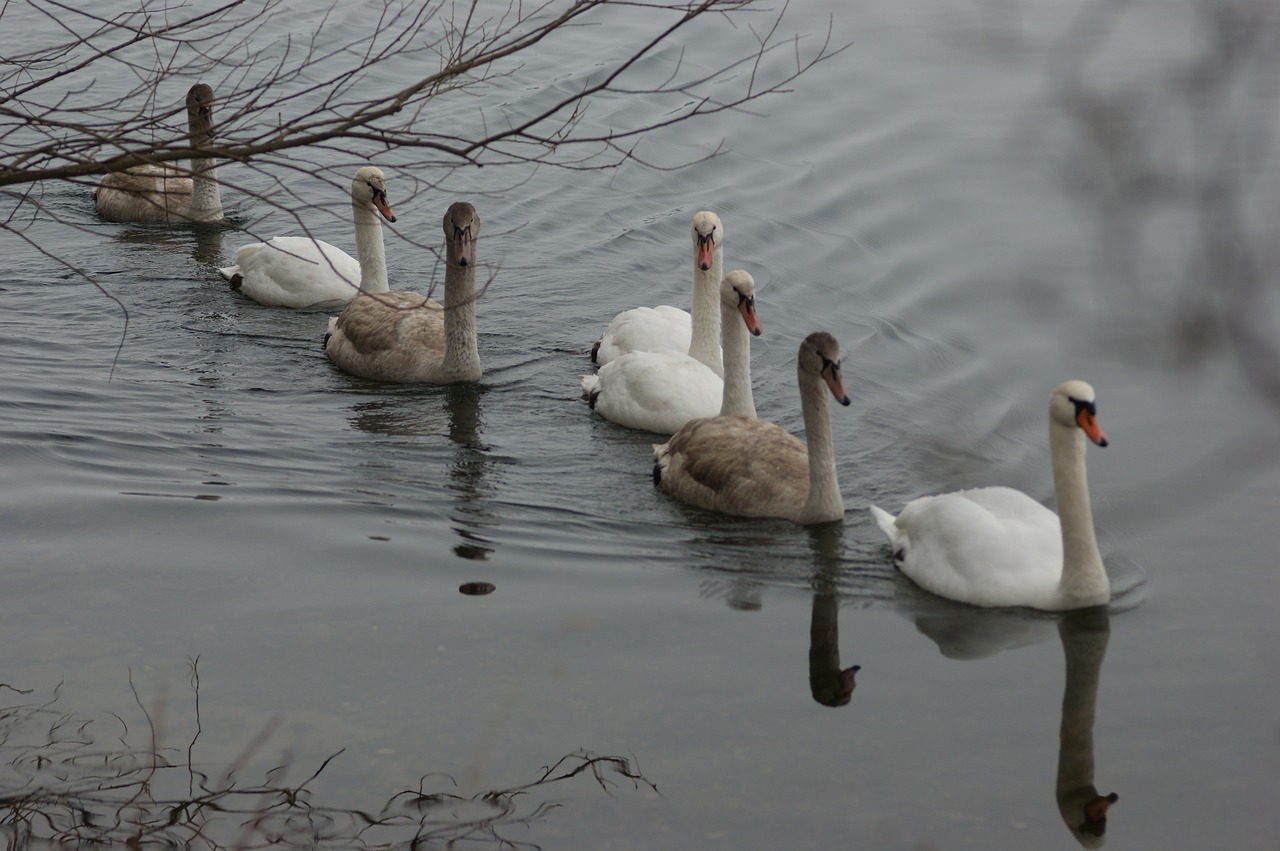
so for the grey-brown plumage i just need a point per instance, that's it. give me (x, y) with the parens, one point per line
(751, 468)
(159, 192)
(409, 338)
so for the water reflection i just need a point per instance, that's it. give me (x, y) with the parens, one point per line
(107, 788)
(1084, 637)
(467, 473)
(829, 684)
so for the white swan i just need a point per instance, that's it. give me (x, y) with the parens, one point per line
(999, 547)
(661, 391)
(298, 271)
(751, 468)
(668, 329)
(409, 338)
(157, 192)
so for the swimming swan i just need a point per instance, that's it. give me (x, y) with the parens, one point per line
(661, 391)
(668, 329)
(159, 192)
(298, 271)
(752, 468)
(409, 338)
(997, 546)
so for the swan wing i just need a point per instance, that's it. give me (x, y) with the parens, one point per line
(295, 271)
(987, 546)
(736, 465)
(393, 336)
(654, 391)
(645, 329)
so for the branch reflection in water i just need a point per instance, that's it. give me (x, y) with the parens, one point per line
(417, 413)
(828, 682)
(69, 779)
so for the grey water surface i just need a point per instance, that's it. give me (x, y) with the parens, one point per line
(927, 197)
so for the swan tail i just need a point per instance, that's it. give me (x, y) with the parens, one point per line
(231, 274)
(660, 460)
(885, 521)
(590, 388)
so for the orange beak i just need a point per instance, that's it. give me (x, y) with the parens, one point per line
(747, 307)
(380, 201)
(1089, 425)
(705, 249)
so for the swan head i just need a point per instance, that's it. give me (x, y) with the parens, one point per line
(708, 235)
(200, 113)
(820, 356)
(738, 292)
(1075, 405)
(461, 230)
(370, 188)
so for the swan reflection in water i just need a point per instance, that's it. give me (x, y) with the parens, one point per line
(1084, 637)
(965, 633)
(468, 470)
(829, 684)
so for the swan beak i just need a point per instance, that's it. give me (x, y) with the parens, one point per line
(747, 307)
(464, 248)
(706, 247)
(1088, 423)
(831, 375)
(380, 201)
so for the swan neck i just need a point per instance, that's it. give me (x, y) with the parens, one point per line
(824, 502)
(1084, 579)
(206, 198)
(704, 313)
(737, 399)
(369, 248)
(461, 351)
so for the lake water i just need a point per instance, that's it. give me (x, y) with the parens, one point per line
(975, 200)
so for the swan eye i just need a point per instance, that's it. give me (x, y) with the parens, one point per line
(1083, 405)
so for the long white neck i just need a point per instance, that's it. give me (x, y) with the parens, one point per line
(1084, 579)
(704, 313)
(369, 249)
(461, 351)
(824, 502)
(206, 198)
(736, 399)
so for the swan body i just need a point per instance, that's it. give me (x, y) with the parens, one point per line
(661, 389)
(409, 338)
(158, 192)
(997, 546)
(669, 329)
(298, 271)
(750, 468)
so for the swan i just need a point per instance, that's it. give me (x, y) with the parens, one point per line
(752, 468)
(298, 271)
(409, 338)
(996, 546)
(669, 329)
(158, 192)
(661, 391)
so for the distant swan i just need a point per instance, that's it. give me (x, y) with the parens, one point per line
(292, 271)
(409, 338)
(668, 329)
(751, 468)
(997, 546)
(158, 192)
